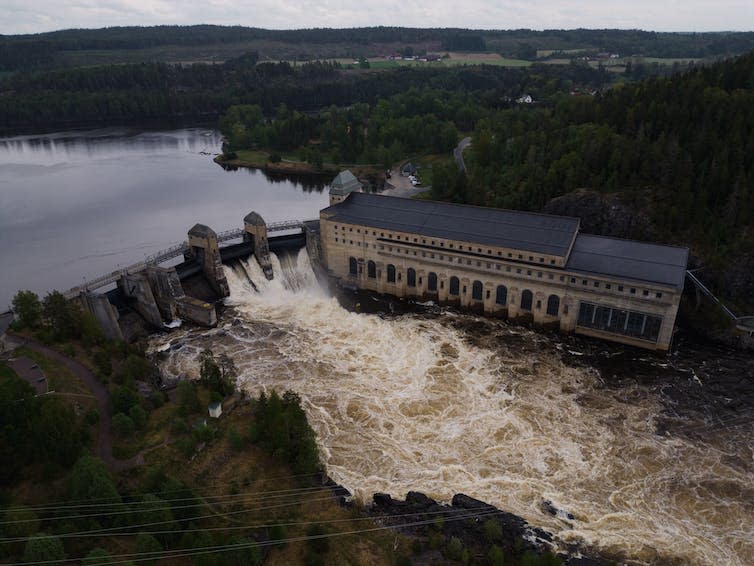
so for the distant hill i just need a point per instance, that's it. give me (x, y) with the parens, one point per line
(79, 47)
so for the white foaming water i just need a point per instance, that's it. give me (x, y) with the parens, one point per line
(414, 403)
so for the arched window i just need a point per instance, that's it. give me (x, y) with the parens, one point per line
(353, 266)
(432, 281)
(526, 300)
(454, 285)
(553, 305)
(477, 290)
(371, 270)
(502, 295)
(391, 273)
(411, 277)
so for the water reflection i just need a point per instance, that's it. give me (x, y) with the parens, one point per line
(74, 205)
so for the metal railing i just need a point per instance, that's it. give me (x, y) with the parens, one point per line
(172, 252)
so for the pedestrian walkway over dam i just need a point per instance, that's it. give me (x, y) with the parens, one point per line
(168, 254)
(159, 294)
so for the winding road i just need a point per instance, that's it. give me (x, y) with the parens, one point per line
(104, 448)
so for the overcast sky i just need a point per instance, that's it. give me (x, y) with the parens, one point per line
(31, 16)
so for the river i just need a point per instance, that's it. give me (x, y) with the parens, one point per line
(652, 455)
(75, 205)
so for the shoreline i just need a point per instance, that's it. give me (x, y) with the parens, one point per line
(298, 167)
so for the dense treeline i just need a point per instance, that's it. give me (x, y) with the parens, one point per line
(686, 142)
(50, 50)
(148, 91)
(417, 121)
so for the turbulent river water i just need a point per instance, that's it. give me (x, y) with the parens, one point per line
(653, 462)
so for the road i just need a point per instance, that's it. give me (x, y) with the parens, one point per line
(104, 448)
(458, 153)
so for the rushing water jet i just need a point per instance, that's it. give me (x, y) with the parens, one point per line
(445, 403)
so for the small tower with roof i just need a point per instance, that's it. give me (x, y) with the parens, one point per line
(343, 185)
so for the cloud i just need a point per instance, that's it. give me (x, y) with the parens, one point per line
(22, 16)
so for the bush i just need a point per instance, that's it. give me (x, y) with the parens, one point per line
(147, 544)
(320, 544)
(123, 426)
(20, 521)
(455, 549)
(496, 556)
(493, 530)
(187, 446)
(157, 399)
(188, 400)
(138, 416)
(275, 158)
(43, 548)
(278, 532)
(235, 439)
(122, 399)
(91, 417)
(178, 426)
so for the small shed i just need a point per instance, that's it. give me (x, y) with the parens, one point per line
(215, 410)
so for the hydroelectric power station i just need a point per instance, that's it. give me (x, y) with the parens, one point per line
(517, 265)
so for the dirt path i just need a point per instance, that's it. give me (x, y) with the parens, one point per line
(104, 448)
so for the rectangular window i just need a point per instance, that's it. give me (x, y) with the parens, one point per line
(608, 286)
(596, 283)
(618, 321)
(573, 280)
(633, 291)
(620, 288)
(658, 295)
(645, 293)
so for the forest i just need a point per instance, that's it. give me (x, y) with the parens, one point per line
(682, 146)
(144, 92)
(73, 47)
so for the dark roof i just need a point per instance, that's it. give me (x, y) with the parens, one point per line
(650, 263)
(539, 233)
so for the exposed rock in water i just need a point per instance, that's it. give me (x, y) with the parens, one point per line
(476, 524)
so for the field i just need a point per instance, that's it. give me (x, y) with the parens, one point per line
(454, 60)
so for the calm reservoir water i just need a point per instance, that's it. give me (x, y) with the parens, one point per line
(75, 205)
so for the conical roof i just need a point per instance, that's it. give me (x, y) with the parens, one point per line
(344, 183)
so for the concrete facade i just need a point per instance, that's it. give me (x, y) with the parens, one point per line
(498, 281)
(202, 241)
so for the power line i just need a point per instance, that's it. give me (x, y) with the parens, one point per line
(171, 500)
(85, 534)
(134, 557)
(208, 487)
(250, 499)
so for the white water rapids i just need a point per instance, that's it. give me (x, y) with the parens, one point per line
(452, 403)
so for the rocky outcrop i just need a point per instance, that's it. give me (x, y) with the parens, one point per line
(604, 214)
(476, 525)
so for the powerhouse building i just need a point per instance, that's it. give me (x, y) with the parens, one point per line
(503, 262)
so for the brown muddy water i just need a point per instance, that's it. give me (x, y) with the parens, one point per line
(652, 455)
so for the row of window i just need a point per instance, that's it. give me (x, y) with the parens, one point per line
(530, 273)
(477, 287)
(618, 321)
(451, 246)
